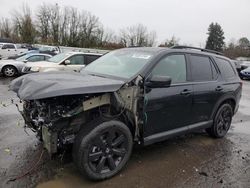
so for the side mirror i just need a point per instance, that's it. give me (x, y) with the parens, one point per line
(67, 62)
(25, 61)
(158, 81)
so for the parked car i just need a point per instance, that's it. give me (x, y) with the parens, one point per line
(129, 96)
(245, 64)
(52, 50)
(245, 73)
(9, 49)
(70, 61)
(23, 54)
(12, 67)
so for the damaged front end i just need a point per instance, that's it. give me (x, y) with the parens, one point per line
(57, 120)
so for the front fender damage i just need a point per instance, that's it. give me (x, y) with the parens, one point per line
(57, 120)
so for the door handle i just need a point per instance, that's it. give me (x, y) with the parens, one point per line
(186, 92)
(218, 88)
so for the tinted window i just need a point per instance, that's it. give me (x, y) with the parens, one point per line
(77, 60)
(225, 68)
(8, 46)
(36, 58)
(91, 58)
(173, 66)
(202, 68)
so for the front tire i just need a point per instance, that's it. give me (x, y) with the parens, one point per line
(103, 152)
(222, 121)
(9, 71)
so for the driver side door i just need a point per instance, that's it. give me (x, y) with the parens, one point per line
(168, 109)
(77, 63)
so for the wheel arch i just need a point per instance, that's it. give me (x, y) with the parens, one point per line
(227, 99)
(9, 65)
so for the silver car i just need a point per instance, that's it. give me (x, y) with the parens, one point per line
(12, 67)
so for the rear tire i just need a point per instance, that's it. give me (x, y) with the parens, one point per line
(9, 71)
(102, 152)
(222, 121)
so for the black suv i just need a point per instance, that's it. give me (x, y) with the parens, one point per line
(131, 95)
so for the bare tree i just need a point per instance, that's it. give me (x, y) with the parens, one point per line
(5, 28)
(89, 29)
(23, 24)
(171, 42)
(137, 35)
(43, 18)
(54, 22)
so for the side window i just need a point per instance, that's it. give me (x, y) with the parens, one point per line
(36, 58)
(77, 60)
(226, 68)
(173, 66)
(46, 57)
(10, 46)
(91, 58)
(202, 68)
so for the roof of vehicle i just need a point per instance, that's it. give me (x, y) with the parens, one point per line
(32, 54)
(181, 49)
(3, 43)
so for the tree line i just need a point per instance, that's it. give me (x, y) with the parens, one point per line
(67, 26)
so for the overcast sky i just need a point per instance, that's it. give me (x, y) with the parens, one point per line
(188, 20)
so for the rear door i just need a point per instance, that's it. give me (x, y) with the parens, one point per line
(207, 86)
(169, 108)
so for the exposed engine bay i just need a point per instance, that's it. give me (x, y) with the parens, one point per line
(57, 120)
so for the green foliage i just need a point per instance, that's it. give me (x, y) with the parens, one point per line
(215, 40)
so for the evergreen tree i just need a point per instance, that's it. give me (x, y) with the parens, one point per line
(215, 40)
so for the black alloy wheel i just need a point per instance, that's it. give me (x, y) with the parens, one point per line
(104, 151)
(222, 121)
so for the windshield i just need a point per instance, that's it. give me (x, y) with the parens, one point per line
(123, 63)
(24, 57)
(58, 58)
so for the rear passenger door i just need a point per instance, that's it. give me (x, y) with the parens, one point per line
(206, 86)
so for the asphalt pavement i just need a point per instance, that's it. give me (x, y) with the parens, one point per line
(193, 160)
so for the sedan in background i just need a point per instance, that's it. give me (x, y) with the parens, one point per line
(68, 61)
(12, 67)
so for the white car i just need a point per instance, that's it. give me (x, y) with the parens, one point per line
(12, 67)
(70, 61)
(9, 49)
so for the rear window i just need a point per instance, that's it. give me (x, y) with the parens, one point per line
(202, 68)
(226, 68)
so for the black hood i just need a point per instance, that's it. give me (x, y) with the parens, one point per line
(45, 85)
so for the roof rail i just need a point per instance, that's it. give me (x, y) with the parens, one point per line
(195, 48)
